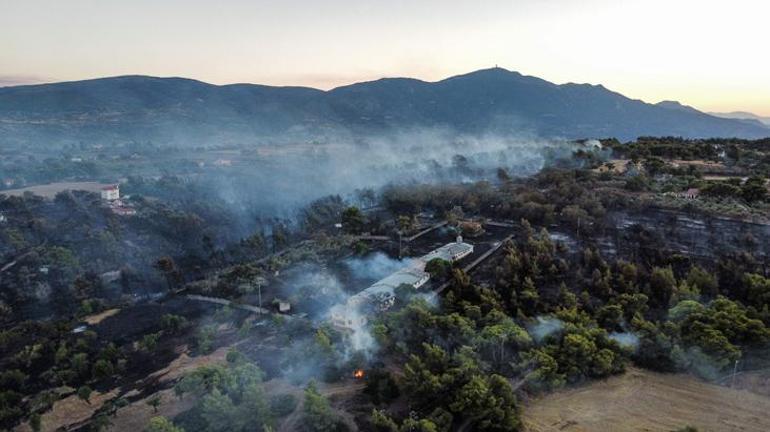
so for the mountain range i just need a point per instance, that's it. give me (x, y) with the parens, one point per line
(187, 112)
(743, 115)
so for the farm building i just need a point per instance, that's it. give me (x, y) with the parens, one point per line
(380, 296)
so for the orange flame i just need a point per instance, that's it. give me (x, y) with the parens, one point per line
(358, 374)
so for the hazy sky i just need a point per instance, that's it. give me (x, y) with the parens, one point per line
(709, 54)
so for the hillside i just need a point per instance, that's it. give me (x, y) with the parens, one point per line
(188, 112)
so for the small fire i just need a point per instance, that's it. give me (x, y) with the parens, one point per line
(358, 374)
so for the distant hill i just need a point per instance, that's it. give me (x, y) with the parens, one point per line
(742, 115)
(187, 112)
(674, 105)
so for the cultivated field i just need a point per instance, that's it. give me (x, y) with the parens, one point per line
(50, 190)
(646, 401)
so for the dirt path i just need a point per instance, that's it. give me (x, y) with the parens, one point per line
(647, 401)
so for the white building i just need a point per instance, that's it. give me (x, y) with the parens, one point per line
(111, 193)
(450, 252)
(380, 296)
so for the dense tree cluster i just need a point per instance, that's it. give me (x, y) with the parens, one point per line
(230, 398)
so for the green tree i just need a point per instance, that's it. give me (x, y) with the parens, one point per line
(80, 364)
(438, 268)
(149, 341)
(703, 280)
(84, 393)
(219, 413)
(662, 285)
(102, 369)
(757, 290)
(754, 189)
(353, 220)
(173, 324)
(100, 422)
(318, 415)
(154, 402)
(162, 424)
(35, 422)
(382, 422)
(380, 386)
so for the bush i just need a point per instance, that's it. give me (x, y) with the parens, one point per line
(283, 405)
(637, 184)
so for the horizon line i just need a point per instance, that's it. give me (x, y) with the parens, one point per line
(37, 81)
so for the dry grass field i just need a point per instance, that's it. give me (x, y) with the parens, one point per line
(647, 401)
(50, 190)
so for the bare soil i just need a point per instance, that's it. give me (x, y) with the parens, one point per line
(70, 411)
(619, 166)
(97, 318)
(647, 401)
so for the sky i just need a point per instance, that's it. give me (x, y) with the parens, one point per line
(708, 54)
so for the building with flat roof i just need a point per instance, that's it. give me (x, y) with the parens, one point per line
(450, 252)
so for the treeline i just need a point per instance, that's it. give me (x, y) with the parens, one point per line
(568, 196)
(752, 155)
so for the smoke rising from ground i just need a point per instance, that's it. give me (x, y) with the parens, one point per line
(627, 340)
(315, 288)
(277, 182)
(544, 327)
(375, 266)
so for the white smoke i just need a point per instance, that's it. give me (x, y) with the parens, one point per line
(375, 266)
(544, 327)
(626, 340)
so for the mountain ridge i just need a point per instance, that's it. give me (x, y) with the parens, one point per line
(185, 111)
(743, 115)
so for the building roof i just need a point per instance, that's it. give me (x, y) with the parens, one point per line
(448, 251)
(110, 187)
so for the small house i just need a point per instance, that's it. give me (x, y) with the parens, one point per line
(691, 193)
(111, 193)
